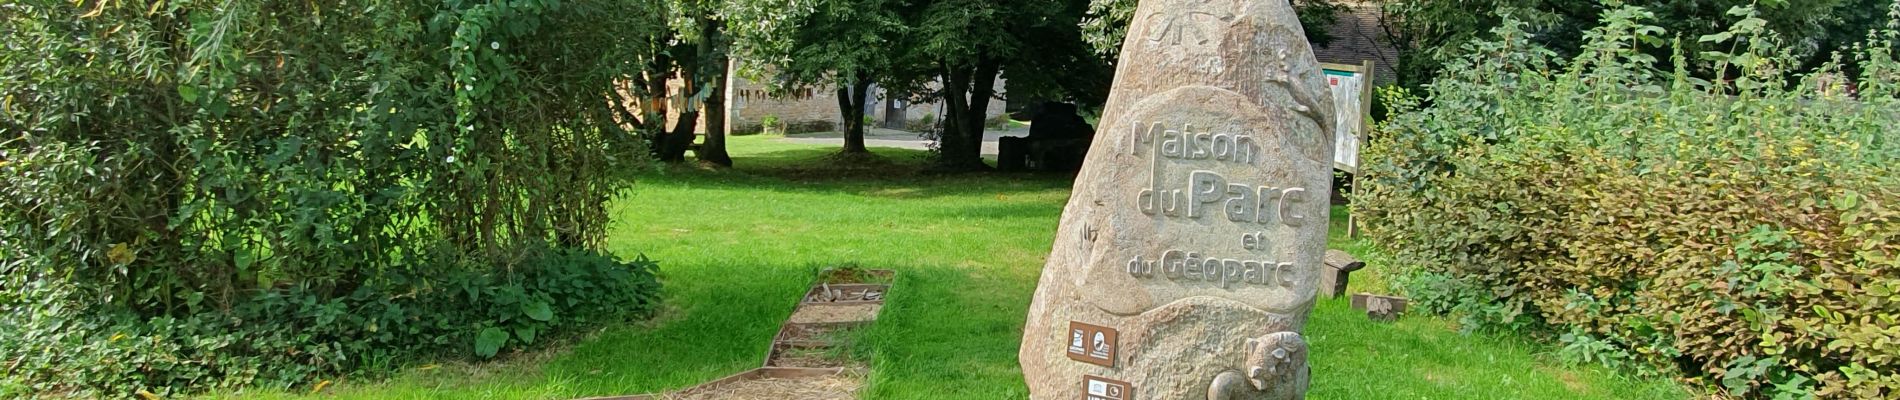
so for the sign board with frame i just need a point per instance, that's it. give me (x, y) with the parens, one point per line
(1352, 108)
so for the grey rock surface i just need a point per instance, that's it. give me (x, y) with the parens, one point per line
(1197, 227)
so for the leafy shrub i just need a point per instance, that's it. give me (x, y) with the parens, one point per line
(769, 124)
(212, 193)
(808, 126)
(1742, 231)
(925, 125)
(290, 336)
(747, 130)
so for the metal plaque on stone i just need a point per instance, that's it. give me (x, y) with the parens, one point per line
(1099, 388)
(1092, 344)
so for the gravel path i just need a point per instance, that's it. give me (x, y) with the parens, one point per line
(879, 137)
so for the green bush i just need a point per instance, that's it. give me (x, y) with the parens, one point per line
(205, 193)
(926, 125)
(291, 336)
(1743, 231)
(747, 130)
(768, 125)
(809, 126)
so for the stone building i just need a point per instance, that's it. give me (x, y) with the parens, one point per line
(748, 104)
(1358, 36)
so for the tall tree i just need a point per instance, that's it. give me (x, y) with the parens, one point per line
(691, 52)
(843, 44)
(712, 72)
(956, 50)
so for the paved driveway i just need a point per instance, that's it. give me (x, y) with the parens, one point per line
(880, 137)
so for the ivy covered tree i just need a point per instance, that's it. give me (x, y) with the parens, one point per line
(691, 50)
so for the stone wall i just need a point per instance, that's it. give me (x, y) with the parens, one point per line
(748, 103)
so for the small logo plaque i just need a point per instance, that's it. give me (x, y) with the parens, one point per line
(1099, 388)
(1093, 344)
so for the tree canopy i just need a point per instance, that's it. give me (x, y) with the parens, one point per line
(955, 50)
(1810, 29)
(800, 44)
(951, 51)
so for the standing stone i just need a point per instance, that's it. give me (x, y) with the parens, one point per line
(1197, 226)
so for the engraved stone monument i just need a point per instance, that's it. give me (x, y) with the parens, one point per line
(1193, 241)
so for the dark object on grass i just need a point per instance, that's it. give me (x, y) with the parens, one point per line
(1332, 278)
(1379, 308)
(1058, 140)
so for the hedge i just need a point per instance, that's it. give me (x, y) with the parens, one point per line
(198, 194)
(1740, 231)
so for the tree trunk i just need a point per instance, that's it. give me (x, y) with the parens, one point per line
(714, 53)
(673, 144)
(653, 109)
(950, 139)
(851, 100)
(967, 92)
(982, 88)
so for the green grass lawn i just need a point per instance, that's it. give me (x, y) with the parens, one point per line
(737, 248)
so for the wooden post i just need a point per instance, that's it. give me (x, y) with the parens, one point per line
(1365, 113)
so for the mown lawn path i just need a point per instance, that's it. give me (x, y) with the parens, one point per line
(738, 247)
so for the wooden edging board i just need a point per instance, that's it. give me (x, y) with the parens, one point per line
(755, 373)
(805, 301)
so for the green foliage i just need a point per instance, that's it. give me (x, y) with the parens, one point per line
(953, 51)
(213, 193)
(1435, 30)
(1740, 230)
(926, 125)
(771, 124)
(293, 336)
(798, 44)
(809, 126)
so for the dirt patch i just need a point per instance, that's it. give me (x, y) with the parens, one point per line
(805, 357)
(821, 314)
(814, 335)
(842, 386)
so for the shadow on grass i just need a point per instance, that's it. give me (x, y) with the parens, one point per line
(900, 174)
(709, 331)
(939, 338)
(934, 314)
